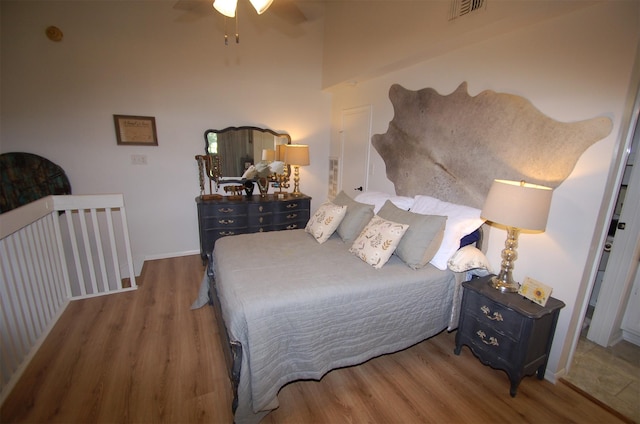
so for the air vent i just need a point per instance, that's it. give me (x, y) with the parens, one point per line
(459, 8)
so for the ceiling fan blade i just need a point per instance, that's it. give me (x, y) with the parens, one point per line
(197, 7)
(288, 11)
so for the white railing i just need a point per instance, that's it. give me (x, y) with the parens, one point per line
(52, 251)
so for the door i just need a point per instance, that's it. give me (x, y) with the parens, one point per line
(356, 142)
(605, 328)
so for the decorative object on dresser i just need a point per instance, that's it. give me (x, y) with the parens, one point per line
(296, 155)
(506, 331)
(248, 214)
(517, 205)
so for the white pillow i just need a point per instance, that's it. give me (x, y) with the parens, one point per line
(461, 220)
(469, 258)
(377, 242)
(325, 221)
(377, 199)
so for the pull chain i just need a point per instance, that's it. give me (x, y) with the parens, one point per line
(237, 32)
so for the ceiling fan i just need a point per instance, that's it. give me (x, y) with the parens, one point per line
(286, 11)
(228, 7)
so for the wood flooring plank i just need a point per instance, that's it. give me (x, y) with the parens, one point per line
(145, 357)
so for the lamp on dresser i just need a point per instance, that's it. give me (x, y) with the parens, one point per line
(517, 205)
(296, 155)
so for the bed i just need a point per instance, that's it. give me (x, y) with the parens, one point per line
(292, 307)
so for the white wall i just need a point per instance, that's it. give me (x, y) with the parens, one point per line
(146, 58)
(572, 67)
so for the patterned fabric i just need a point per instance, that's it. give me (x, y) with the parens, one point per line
(25, 177)
(325, 221)
(469, 258)
(377, 242)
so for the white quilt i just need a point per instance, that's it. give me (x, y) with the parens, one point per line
(300, 309)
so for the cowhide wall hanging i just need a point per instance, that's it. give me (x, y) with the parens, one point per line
(453, 147)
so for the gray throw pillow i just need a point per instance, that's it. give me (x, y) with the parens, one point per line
(357, 217)
(423, 238)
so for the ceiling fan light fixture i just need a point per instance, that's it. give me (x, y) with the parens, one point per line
(226, 7)
(260, 5)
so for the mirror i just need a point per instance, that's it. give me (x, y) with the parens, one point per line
(229, 152)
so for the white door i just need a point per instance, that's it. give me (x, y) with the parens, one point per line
(356, 139)
(631, 320)
(605, 328)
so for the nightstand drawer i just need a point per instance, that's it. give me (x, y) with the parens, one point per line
(502, 319)
(497, 345)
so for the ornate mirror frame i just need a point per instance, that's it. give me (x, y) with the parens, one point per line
(230, 151)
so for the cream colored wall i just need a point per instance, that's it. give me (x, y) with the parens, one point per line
(145, 58)
(572, 67)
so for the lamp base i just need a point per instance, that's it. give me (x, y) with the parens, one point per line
(504, 286)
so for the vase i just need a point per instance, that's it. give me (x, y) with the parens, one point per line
(263, 186)
(248, 188)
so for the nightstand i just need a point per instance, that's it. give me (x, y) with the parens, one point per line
(506, 331)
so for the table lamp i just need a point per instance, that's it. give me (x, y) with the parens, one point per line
(518, 206)
(296, 155)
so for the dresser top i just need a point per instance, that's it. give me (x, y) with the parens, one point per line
(512, 301)
(255, 198)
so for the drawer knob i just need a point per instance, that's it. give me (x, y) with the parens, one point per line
(227, 233)
(225, 210)
(292, 205)
(225, 221)
(292, 226)
(261, 208)
(497, 316)
(292, 215)
(492, 340)
(261, 219)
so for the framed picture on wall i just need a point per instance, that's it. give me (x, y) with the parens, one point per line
(136, 130)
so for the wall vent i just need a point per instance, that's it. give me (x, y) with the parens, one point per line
(459, 8)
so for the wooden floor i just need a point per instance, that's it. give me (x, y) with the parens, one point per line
(145, 357)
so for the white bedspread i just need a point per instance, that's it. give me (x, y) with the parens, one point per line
(300, 309)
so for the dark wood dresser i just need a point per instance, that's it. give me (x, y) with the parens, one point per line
(233, 215)
(506, 331)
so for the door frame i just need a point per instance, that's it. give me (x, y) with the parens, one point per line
(628, 121)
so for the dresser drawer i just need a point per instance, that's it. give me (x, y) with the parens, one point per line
(502, 319)
(223, 210)
(293, 216)
(291, 205)
(289, 226)
(225, 222)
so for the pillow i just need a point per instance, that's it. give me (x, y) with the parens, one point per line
(377, 242)
(357, 216)
(377, 199)
(470, 258)
(325, 221)
(422, 239)
(461, 220)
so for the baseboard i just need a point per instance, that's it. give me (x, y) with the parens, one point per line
(171, 255)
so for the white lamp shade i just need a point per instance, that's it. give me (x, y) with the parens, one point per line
(296, 154)
(261, 5)
(226, 7)
(518, 204)
(269, 155)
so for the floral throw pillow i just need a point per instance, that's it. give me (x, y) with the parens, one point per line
(377, 242)
(325, 221)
